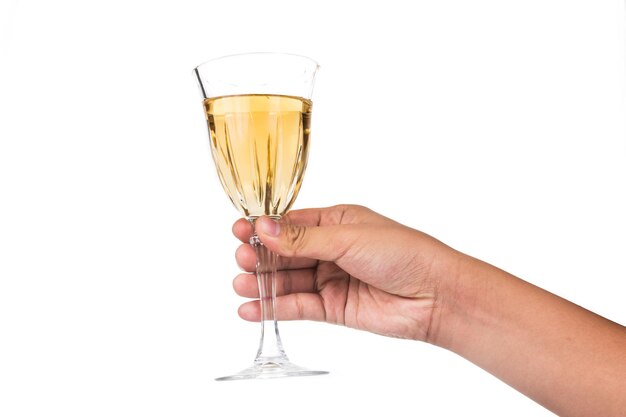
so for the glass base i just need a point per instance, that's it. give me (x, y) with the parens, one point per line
(268, 370)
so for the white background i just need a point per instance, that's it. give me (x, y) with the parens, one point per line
(497, 126)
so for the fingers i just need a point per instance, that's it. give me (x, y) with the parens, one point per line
(340, 214)
(246, 259)
(242, 229)
(287, 282)
(299, 306)
(305, 236)
(326, 243)
(329, 216)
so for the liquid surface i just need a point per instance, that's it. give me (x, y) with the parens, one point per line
(260, 148)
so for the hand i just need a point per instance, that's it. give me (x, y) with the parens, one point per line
(351, 266)
(348, 265)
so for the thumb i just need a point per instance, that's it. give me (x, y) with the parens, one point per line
(325, 243)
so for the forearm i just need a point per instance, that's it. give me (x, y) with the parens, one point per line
(564, 357)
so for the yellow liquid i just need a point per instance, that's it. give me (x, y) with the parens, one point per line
(260, 148)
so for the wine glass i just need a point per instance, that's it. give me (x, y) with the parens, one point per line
(258, 110)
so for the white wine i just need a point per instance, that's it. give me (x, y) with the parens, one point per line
(260, 146)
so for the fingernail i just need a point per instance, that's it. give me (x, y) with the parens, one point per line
(270, 227)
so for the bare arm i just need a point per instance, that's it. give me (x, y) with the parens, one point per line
(566, 358)
(350, 266)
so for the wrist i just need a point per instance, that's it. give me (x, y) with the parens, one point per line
(456, 299)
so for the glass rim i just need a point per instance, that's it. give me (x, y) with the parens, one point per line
(267, 53)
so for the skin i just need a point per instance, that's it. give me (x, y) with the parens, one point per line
(348, 265)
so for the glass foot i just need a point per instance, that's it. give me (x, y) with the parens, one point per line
(271, 370)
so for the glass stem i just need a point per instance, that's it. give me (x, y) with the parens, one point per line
(270, 351)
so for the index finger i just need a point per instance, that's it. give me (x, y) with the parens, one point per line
(246, 258)
(242, 229)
